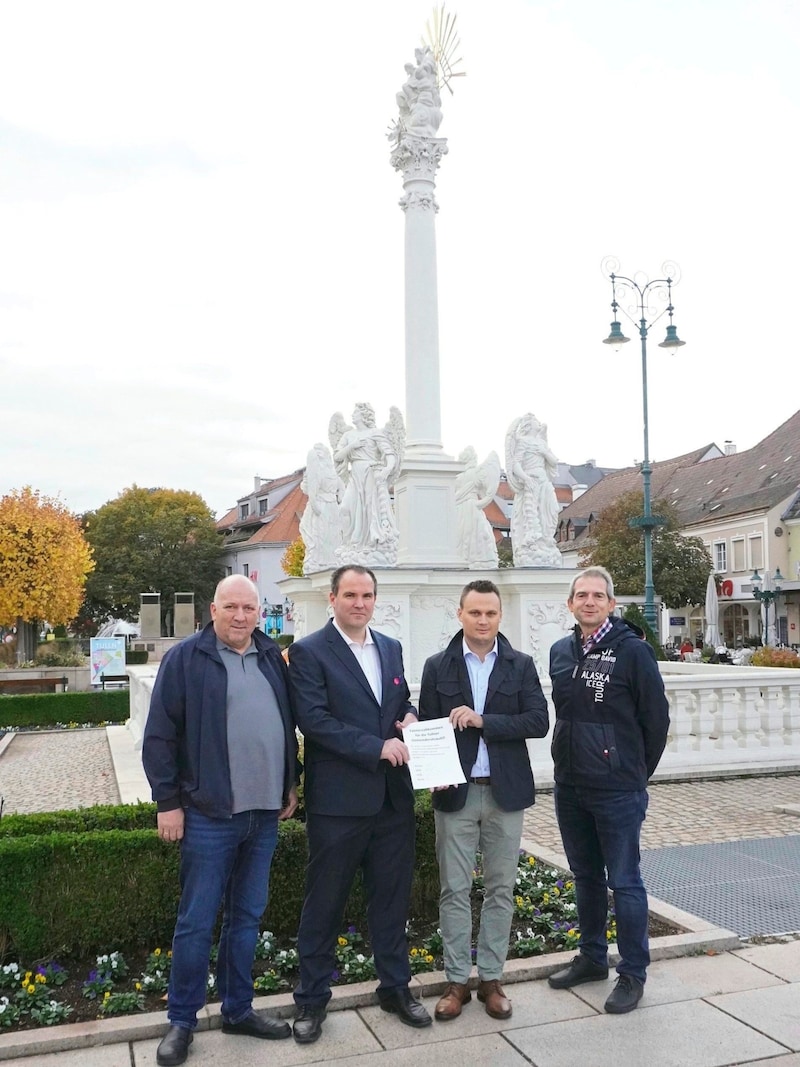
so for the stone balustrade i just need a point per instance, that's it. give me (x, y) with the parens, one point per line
(724, 720)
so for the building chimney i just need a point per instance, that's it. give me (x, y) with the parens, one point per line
(730, 448)
(591, 463)
(257, 483)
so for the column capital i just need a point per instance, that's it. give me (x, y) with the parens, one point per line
(418, 158)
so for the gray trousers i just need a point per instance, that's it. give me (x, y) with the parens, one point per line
(479, 826)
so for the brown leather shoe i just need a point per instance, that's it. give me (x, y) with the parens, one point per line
(496, 1002)
(450, 1004)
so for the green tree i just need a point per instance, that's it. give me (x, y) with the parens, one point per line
(151, 541)
(681, 564)
(44, 560)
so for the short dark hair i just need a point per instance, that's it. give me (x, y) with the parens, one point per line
(336, 577)
(480, 585)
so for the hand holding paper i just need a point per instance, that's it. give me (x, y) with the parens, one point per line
(433, 755)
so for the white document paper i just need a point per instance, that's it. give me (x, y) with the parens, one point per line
(433, 754)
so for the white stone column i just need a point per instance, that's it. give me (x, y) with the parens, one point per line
(425, 491)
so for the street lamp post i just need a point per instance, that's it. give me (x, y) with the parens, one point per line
(659, 289)
(767, 597)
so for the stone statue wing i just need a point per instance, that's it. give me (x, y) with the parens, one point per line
(337, 428)
(511, 448)
(395, 429)
(487, 478)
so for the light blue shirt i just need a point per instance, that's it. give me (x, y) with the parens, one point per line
(479, 682)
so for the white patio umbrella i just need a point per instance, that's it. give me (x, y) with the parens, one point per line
(712, 613)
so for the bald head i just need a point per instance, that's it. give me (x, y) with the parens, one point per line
(234, 611)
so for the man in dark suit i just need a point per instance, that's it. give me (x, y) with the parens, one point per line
(492, 696)
(351, 700)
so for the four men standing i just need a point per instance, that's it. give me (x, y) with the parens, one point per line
(220, 753)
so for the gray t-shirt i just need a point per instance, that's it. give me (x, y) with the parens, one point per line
(256, 737)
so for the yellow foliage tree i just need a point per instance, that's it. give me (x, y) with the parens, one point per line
(293, 558)
(44, 560)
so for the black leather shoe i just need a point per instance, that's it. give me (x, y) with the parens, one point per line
(625, 996)
(253, 1025)
(406, 1007)
(581, 970)
(308, 1024)
(174, 1046)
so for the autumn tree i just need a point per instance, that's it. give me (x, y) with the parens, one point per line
(681, 564)
(44, 561)
(293, 558)
(151, 541)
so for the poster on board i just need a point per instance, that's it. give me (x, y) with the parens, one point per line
(106, 656)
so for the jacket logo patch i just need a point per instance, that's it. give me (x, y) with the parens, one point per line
(596, 671)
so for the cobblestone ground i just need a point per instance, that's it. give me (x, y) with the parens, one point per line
(62, 769)
(695, 812)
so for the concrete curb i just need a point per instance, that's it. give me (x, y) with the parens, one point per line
(698, 937)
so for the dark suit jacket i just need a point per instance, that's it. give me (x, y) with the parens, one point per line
(344, 727)
(515, 709)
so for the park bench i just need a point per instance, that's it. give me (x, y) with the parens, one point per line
(16, 686)
(114, 680)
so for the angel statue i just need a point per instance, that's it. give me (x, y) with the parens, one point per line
(320, 527)
(475, 489)
(530, 469)
(368, 459)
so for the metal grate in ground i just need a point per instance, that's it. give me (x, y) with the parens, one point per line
(751, 887)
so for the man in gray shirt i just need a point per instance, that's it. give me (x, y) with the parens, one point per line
(220, 753)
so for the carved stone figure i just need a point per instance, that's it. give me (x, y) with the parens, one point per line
(530, 469)
(419, 101)
(320, 527)
(368, 459)
(475, 488)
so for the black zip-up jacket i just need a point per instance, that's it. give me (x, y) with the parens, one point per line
(612, 715)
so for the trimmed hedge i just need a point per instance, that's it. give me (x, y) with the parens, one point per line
(47, 709)
(135, 656)
(99, 879)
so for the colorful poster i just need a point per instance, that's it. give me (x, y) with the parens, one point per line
(106, 656)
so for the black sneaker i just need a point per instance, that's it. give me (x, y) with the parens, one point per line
(581, 970)
(625, 996)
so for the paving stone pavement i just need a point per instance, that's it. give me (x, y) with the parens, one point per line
(57, 769)
(701, 811)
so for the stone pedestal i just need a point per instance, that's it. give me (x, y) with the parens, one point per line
(418, 607)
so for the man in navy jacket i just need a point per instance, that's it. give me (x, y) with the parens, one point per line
(220, 753)
(351, 700)
(492, 696)
(612, 720)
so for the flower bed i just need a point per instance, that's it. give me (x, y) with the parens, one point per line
(80, 989)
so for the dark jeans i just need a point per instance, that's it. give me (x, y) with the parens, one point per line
(221, 859)
(600, 829)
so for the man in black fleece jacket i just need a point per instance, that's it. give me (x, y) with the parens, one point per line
(612, 720)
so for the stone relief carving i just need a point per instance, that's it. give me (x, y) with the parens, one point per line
(549, 621)
(388, 618)
(530, 469)
(435, 624)
(425, 201)
(320, 526)
(475, 488)
(368, 459)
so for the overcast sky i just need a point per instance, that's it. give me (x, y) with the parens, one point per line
(201, 252)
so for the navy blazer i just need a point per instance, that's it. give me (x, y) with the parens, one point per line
(515, 709)
(344, 727)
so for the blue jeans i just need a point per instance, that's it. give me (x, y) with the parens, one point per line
(222, 860)
(600, 829)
